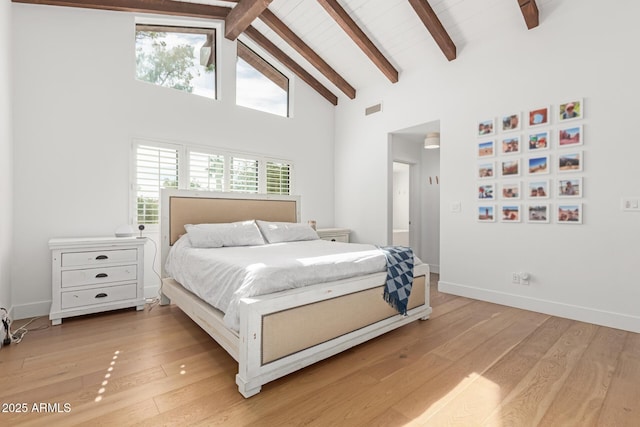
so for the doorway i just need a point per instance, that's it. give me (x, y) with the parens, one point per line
(407, 150)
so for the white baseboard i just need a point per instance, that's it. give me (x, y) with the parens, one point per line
(569, 311)
(434, 268)
(35, 309)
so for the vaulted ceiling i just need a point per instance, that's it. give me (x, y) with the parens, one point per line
(338, 46)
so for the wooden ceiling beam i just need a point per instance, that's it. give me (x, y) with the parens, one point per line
(435, 27)
(242, 15)
(349, 26)
(306, 52)
(162, 7)
(286, 60)
(529, 10)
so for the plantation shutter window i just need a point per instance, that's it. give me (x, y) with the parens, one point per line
(243, 175)
(278, 178)
(206, 171)
(156, 168)
(158, 165)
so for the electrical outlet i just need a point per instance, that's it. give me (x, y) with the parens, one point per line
(515, 278)
(630, 203)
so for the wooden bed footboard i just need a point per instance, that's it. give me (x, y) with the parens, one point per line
(286, 331)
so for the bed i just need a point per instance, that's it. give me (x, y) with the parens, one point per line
(281, 332)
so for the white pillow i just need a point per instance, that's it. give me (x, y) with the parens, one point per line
(276, 232)
(243, 233)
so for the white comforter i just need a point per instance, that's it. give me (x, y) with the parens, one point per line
(223, 276)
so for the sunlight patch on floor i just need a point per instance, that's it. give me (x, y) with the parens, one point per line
(104, 383)
(483, 392)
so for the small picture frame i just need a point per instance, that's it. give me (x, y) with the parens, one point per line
(539, 189)
(486, 127)
(511, 190)
(510, 168)
(510, 145)
(486, 191)
(486, 170)
(486, 149)
(572, 110)
(486, 213)
(570, 187)
(539, 116)
(539, 141)
(569, 213)
(510, 122)
(569, 136)
(510, 213)
(570, 162)
(539, 165)
(538, 213)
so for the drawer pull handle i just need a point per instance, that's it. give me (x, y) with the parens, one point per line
(102, 257)
(101, 275)
(101, 295)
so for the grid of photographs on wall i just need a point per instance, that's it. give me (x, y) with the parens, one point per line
(530, 165)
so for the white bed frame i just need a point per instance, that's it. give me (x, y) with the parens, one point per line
(257, 337)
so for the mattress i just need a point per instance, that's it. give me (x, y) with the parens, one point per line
(223, 276)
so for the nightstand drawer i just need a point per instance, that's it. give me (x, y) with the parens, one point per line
(92, 276)
(98, 296)
(73, 259)
(334, 234)
(341, 238)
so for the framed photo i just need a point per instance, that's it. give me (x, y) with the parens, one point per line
(569, 213)
(511, 190)
(511, 167)
(539, 140)
(570, 187)
(487, 213)
(486, 149)
(486, 191)
(486, 170)
(570, 136)
(572, 110)
(539, 116)
(570, 162)
(538, 165)
(510, 122)
(539, 189)
(487, 127)
(511, 145)
(538, 212)
(510, 213)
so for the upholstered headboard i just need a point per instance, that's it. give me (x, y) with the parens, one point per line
(180, 207)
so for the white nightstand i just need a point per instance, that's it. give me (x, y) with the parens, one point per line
(334, 234)
(91, 275)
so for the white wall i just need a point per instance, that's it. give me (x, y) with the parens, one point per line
(77, 109)
(6, 155)
(586, 271)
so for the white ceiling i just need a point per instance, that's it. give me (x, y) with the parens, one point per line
(392, 25)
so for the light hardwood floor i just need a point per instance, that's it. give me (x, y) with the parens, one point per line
(472, 364)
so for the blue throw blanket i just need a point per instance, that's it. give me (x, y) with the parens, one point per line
(399, 277)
